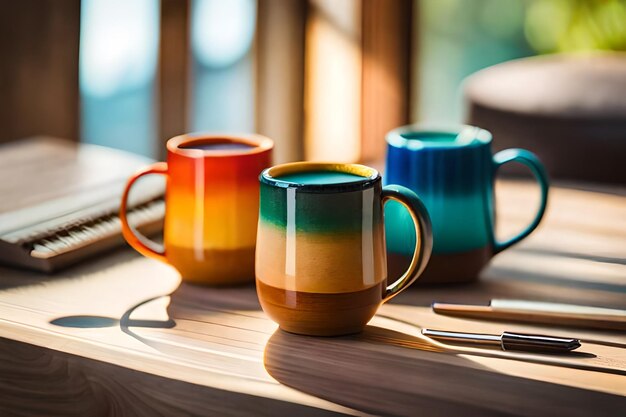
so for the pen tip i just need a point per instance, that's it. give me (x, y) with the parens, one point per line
(574, 344)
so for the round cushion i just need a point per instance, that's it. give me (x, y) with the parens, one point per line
(568, 109)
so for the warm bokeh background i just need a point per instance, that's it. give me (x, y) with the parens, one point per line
(324, 78)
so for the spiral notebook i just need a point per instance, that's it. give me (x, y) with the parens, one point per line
(59, 201)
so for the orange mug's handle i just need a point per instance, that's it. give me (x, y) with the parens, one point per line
(138, 242)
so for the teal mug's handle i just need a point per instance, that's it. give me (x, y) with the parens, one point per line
(536, 167)
(423, 236)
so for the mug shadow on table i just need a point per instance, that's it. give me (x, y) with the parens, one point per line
(94, 322)
(199, 305)
(193, 302)
(362, 372)
(204, 300)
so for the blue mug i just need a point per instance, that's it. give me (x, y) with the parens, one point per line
(453, 173)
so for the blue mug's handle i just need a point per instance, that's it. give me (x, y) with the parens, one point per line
(536, 167)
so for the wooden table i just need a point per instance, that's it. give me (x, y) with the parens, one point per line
(121, 335)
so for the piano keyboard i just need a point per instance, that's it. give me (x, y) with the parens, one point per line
(81, 235)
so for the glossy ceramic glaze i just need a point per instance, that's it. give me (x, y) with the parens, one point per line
(212, 205)
(320, 260)
(453, 173)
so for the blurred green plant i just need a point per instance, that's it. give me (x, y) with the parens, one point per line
(576, 25)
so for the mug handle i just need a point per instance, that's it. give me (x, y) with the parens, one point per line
(536, 167)
(138, 242)
(423, 236)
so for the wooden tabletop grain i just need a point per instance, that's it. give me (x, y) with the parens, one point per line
(121, 335)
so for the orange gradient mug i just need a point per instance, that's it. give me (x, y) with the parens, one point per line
(211, 206)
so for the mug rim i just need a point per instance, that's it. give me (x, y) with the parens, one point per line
(396, 139)
(258, 144)
(270, 176)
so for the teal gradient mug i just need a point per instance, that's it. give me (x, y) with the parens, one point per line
(453, 173)
(321, 265)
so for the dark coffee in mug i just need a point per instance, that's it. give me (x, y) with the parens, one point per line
(218, 145)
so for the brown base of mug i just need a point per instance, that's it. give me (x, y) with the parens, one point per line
(214, 267)
(320, 314)
(449, 268)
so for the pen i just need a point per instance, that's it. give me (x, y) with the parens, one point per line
(507, 340)
(538, 312)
